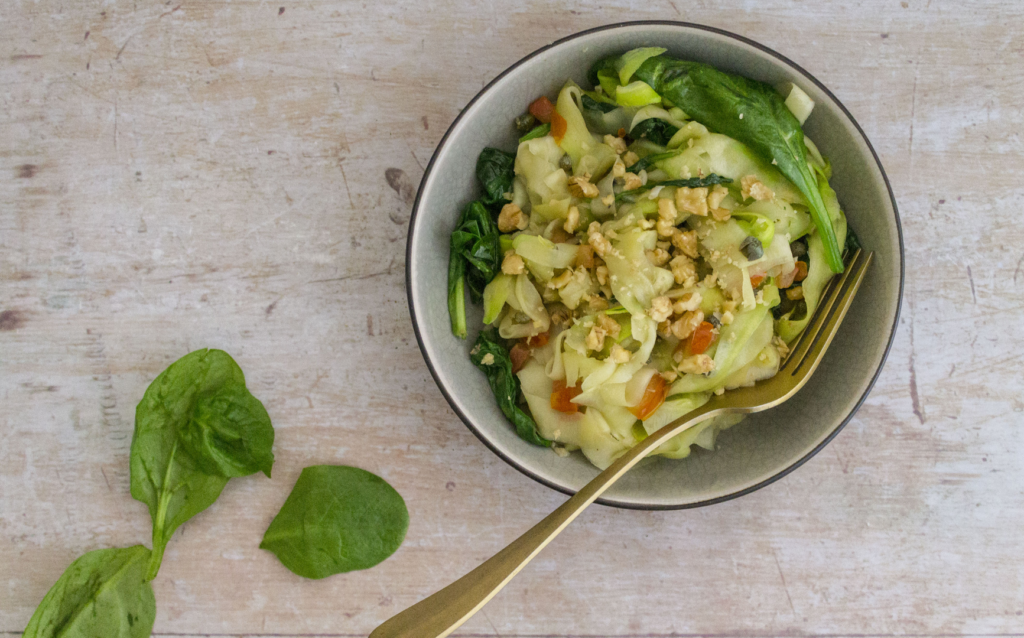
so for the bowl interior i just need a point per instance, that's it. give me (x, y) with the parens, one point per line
(764, 446)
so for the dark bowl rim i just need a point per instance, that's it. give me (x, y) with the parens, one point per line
(611, 502)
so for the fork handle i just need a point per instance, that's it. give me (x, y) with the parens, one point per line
(445, 611)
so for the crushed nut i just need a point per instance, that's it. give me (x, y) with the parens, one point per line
(781, 345)
(728, 306)
(687, 303)
(726, 318)
(665, 228)
(617, 143)
(684, 270)
(619, 354)
(597, 303)
(665, 329)
(630, 158)
(661, 309)
(585, 256)
(686, 242)
(658, 257)
(618, 168)
(581, 187)
(559, 314)
(597, 241)
(601, 272)
(633, 181)
(572, 220)
(512, 218)
(512, 264)
(608, 199)
(669, 375)
(752, 187)
(595, 338)
(697, 364)
(721, 214)
(561, 280)
(693, 200)
(609, 325)
(795, 293)
(487, 359)
(685, 325)
(667, 210)
(716, 196)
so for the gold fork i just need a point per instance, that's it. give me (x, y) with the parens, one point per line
(442, 613)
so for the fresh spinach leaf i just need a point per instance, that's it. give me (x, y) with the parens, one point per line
(102, 593)
(752, 113)
(692, 182)
(495, 170)
(474, 260)
(337, 519)
(654, 129)
(590, 104)
(196, 427)
(504, 384)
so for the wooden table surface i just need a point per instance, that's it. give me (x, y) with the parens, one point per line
(239, 174)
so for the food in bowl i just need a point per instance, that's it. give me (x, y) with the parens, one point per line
(653, 241)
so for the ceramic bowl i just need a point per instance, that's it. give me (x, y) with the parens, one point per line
(765, 446)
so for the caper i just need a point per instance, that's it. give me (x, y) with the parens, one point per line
(798, 248)
(525, 123)
(565, 164)
(714, 321)
(752, 248)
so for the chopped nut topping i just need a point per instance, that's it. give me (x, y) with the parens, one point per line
(512, 264)
(726, 318)
(609, 325)
(782, 346)
(685, 325)
(721, 214)
(754, 188)
(597, 241)
(572, 220)
(658, 257)
(667, 210)
(633, 181)
(795, 293)
(512, 218)
(618, 168)
(686, 242)
(684, 270)
(585, 256)
(665, 228)
(608, 199)
(617, 143)
(716, 196)
(665, 329)
(595, 338)
(619, 354)
(687, 303)
(661, 309)
(581, 187)
(559, 315)
(597, 303)
(630, 158)
(693, 200)
(697, 364)
(670, 375)
(561, 280)
(487, 359)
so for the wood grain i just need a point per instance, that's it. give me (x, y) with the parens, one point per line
(240, 174)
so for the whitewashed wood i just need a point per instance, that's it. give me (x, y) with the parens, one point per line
(197, 173)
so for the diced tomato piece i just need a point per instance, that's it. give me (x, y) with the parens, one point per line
(801, 271)
(542, 108)
(755, 280)
(621, 132)
(654, 396)
(520, 354)
(558, 127)
(786, 279)
(701, 338)
(562, 396)
(538, 341)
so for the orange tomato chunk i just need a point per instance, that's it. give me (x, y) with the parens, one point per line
(558, 126)
(519, 354)
(538, 341)
(654, 396)
(755, 280)
(701, 338)
(542, 108)
(562, 396)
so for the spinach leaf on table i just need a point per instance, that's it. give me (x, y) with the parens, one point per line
(337, 519)
(750, 112)
(102, 593)
(495, 170)
(196, 427)
(473, 261)
(505, 385)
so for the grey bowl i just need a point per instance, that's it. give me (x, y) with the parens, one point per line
(766, 446)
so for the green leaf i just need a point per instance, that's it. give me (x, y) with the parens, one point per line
(636, 94)
(602, 105)
(101, 594)
(491, 357)
(656, 130)
(474, 259)
(752, 113)
(196, 427)
(631, 61)
(692, 182)
(495, 172)
(337, 519)
(538, 131)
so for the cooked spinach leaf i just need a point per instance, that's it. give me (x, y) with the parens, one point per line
(504, 384)
(102, 593)
(337, 519)
(473, 261)
(654, 129)
(495, 172)
(650, 160)
(752, 113)
(852, 241)
(590, 104)
(693, 182)
(196, 427)
(538, 131)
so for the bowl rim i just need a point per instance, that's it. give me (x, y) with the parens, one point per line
(616, 503)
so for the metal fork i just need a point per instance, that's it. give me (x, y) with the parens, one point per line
(442, 613)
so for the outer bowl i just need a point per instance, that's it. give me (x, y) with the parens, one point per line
(766, 446)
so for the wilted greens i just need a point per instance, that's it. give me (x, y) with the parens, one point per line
(474, 259)
(337, 519)
(492, 357)
(494, 171)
